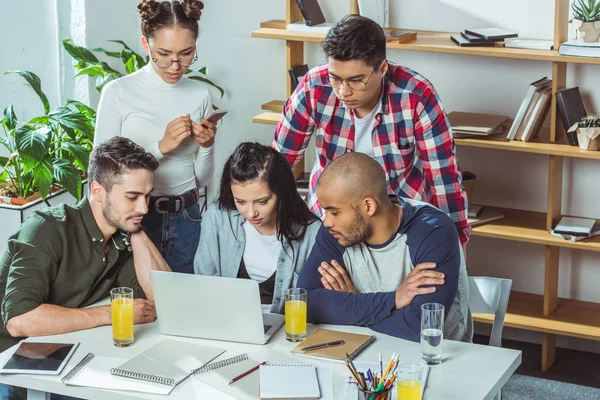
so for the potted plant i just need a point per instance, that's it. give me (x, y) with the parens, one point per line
(47, 157)
(588, 133)
(586, 19)
(88, 64)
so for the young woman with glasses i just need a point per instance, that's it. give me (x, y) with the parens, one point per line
(162, 110)
(259, 228)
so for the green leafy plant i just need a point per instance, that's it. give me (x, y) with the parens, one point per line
(88, 64)
(591, 121)
(586, 10)
(51, 150)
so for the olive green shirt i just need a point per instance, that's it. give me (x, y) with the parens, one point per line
(57, 257)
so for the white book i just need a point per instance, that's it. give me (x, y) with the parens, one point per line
(576, 238)
(579, 49)
(529, 44)
(289, 381)
(523, 108)
(537, 116)
(527, 117)
(575, 226)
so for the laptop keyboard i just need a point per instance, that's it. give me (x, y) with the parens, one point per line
(267, 327)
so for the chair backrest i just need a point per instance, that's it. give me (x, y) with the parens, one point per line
(490, 296)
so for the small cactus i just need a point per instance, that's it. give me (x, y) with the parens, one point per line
(591, 121)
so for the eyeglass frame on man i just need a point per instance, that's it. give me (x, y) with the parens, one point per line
(154, 59)
(348, 81)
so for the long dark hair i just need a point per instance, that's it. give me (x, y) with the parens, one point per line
(169, 14)
(251, 161)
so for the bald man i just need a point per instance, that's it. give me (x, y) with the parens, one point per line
(375, 263)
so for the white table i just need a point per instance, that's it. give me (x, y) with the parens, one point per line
(469, 371)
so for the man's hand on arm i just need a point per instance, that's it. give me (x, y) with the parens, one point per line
(50, 319)
(335, 277)
(421, 275)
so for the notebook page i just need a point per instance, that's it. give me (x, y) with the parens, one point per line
(247, 387)
(280, 381)
(97, 374)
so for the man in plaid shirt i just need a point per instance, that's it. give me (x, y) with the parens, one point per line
(361, 102)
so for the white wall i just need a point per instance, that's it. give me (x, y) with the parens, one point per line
(252, 71)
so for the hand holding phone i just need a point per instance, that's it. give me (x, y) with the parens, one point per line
(215, 117)
(204, 135)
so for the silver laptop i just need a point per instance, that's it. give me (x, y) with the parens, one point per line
(211, 307)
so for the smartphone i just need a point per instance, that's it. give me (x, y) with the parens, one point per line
(215, 117)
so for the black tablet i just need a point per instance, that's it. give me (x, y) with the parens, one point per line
(30, 357)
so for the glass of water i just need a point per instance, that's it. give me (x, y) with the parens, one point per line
(432, 332)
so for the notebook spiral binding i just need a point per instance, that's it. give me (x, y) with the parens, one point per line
(362, 347)
(219, 364)
(161, 380)
(71, 374)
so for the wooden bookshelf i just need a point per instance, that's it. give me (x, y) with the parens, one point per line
(437, 42)
(545, 313)
(571, 317)
(497, 142)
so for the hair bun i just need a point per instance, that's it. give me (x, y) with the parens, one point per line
(149, 9)
(192, 8)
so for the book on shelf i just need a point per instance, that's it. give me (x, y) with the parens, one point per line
(466, 124)
(579, 49)
(485, 216)
(491, 33)
(400, 36)
(477, 39)
(538, 116)
(532, 44)
(534, 87)
(311, 12)
(576, 238)
(575, 226)
(571, 110)
(462, 42)
(474, 210)
(296, 74)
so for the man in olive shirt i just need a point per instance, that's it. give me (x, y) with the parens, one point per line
(64, 258)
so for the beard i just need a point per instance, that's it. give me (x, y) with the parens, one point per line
(113, 219)
(358, 232)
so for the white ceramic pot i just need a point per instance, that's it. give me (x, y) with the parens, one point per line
(587, 31)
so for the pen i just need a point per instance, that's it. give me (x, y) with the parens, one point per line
(322, 345)
(251, 370)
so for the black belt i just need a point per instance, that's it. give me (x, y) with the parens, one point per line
(167, 204)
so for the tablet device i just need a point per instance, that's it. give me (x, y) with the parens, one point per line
(46, 358)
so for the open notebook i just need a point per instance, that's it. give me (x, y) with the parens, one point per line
(156, 370)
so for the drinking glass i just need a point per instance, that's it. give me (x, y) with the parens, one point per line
(432, 332)
(409, 382)
(121, 308)
(295, 314)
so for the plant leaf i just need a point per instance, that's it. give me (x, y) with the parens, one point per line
(10, 119)
(80, 153)
(82, 108)
(43, 173)
(208, 81)
(36, 85)
(33, 142)
(114, 54)
(67, 177)
(121, 43)
(67, 118)
(132, 65)
(79, 53)
(3, 161)
(92, 70)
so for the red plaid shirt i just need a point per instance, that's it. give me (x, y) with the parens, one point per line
(412, 139)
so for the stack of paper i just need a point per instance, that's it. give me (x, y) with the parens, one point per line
(576, 229)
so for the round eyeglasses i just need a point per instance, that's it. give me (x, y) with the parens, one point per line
(353, 84)
(166, 61)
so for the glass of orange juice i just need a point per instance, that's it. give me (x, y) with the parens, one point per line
(121, 308)
(295, 314)
(408, 383)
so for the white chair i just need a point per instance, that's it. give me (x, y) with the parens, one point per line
(490, 296)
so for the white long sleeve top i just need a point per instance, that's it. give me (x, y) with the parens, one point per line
(139, 106)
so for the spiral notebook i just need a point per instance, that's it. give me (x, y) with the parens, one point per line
(289, 381)
(218, 374)
(354, 344)
(157, 370)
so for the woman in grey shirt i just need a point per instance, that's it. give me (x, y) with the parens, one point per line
(259, 227)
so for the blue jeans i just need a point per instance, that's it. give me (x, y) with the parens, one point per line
(176, 236)
(7, 392)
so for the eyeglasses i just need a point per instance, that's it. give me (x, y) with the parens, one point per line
(166, 61)
(354, 84)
